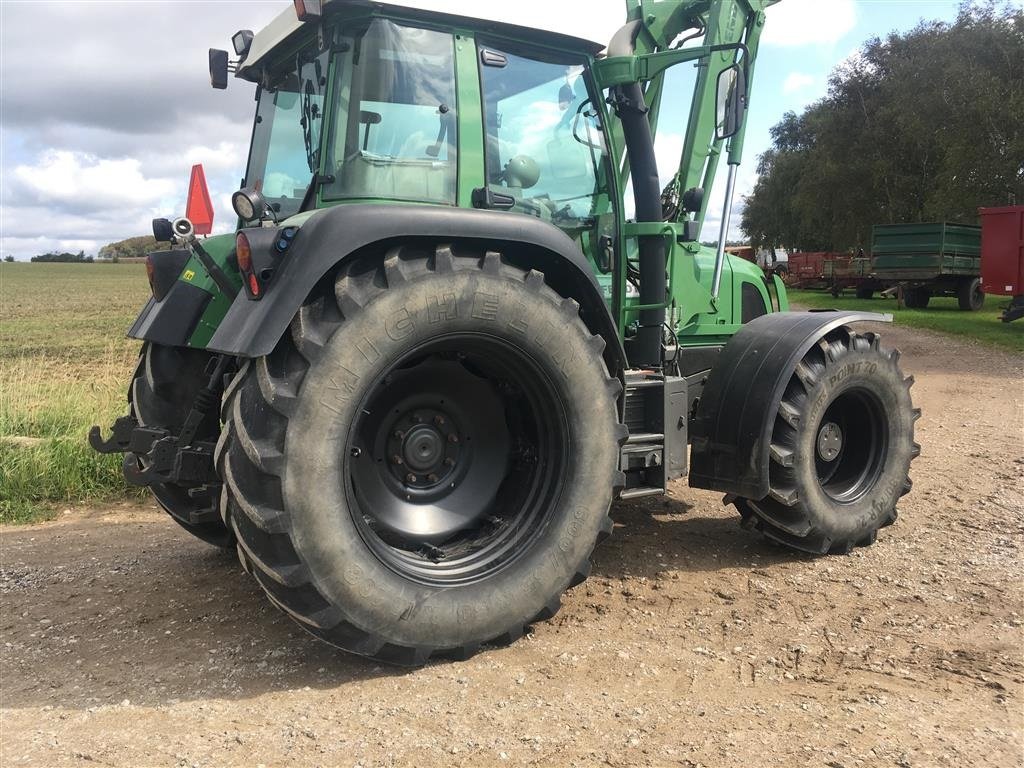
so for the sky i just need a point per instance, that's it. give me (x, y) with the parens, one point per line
(105, 106)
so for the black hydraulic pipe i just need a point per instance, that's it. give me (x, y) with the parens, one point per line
(629, 104)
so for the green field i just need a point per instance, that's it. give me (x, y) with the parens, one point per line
(942, 315)
(64, 365)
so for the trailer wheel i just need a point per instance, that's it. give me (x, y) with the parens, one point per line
(969, 295)
(165, 383)
(426, 462)
(840, 449)
(917, 298)
(864, 292)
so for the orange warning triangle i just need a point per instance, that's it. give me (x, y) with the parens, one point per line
(199, 209)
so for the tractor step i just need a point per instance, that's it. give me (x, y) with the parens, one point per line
(655, 450)
(637, 493)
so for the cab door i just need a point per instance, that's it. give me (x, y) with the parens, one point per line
(544, 146)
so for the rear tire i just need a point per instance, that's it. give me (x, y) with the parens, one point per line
(398, 471)
(840, 449)
(165, 384)
(969, 295)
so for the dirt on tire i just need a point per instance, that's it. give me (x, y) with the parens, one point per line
(127, 642)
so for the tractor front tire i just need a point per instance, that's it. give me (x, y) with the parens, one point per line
(426, 462)
(165, 384)
(969, 295)
(841, 448)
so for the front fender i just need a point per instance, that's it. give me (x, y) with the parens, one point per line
(732, 430)
(253, 328)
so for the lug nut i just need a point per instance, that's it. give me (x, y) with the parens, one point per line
(396, 459)
(399, 434)
(431, 478)
(410, 478)
(449, 462)
(439, 420)
(453, 438)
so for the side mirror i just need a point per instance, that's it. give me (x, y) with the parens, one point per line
(731, 102)
(218, 69)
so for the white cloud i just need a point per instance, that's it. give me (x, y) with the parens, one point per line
(797, 81)
(809, 22)
(85, 181)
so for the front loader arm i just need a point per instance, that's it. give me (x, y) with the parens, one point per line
(724, 26)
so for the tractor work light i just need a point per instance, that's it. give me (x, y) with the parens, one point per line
(308, 10)
(249, 204)
(163, 230)
(242, 42)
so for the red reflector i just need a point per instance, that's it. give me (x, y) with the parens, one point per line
(243, 252)
(254, 285)
(199, 209)
(307, 10)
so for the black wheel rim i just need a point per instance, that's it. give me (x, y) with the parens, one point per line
(850, 445)
(456, 460)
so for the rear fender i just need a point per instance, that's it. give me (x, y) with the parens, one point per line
(733, 425)
(327, 239)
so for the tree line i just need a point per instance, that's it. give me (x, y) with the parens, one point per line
(63, 258)
(926, 125)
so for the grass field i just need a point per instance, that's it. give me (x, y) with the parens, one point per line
(65, 365)
(942, 315)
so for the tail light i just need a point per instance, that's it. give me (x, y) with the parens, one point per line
(243, 252)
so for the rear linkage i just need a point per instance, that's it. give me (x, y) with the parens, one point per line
(157, 457)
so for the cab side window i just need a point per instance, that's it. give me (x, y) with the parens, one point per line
(544, 146)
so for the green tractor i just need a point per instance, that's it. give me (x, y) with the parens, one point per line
(439, 345)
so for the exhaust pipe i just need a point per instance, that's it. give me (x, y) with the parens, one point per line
(631, 110)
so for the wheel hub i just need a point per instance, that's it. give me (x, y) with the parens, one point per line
(830, 441)
(436, 450)
(424, 447)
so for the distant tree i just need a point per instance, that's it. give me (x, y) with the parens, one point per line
(8, 257)
(921, 126)
(133, 247)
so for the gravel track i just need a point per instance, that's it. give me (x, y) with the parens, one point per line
(694, 643)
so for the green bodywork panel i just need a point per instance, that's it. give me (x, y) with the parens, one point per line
(925, 251)
(220, 248)
(729, 26)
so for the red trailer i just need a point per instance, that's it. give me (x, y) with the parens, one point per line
(1002, 256)
(807, 270)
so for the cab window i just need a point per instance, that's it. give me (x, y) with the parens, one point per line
(544, 146)
(394, 132)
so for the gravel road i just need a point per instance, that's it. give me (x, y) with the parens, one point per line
(694, 643)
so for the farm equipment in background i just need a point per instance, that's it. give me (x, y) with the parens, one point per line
(410, 385)
(771, 261)
(807, 269)
(1002, 256)
(848, 271)
(925, 260)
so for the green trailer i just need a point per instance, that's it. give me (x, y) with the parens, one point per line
(925, 260)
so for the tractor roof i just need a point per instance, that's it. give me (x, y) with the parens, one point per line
(503, 18)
